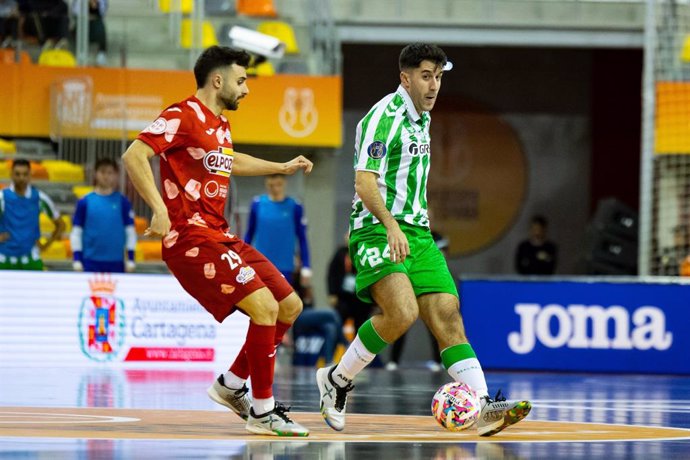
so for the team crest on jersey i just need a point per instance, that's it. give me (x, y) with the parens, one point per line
(245, 275)
(219, 161)
(376, 150)
(157, 127)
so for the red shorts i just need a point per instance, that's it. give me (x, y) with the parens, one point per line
(219, 275)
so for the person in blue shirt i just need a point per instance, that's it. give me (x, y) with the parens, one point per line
(103, 226)
(20, 231)
(276, 224)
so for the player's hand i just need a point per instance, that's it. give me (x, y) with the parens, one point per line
(397, 244)
(77, 266)
(130, 266)
(160, 224)
(300, 162)
(4, 236)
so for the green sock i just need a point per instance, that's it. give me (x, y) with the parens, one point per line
(456, 353)
(370, 338)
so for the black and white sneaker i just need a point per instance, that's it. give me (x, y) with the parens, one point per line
(333, 398)
(275, 423)
(237, 401)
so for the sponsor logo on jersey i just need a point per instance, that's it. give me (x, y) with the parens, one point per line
(101, 321)
(589, 327)
(418, 149)
(376, 150)
(219, 161)
(245, 275)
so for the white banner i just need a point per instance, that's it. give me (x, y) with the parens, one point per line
(134, 321)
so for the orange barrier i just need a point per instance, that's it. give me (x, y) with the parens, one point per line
(280, 110)
(263, 8)
(672, 117)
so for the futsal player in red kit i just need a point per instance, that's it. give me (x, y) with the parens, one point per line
(194, 143)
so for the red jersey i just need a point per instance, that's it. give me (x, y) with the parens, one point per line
(196, 155)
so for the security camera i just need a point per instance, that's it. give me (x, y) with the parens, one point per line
(256, 42)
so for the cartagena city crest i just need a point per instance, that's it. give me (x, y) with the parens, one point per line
(101, 321)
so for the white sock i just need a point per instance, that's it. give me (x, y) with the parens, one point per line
(355, 359)
(261, 406)
(469, 371)
(232, 381)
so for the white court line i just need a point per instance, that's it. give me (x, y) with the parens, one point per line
(67, 418)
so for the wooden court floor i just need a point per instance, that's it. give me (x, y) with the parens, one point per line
(103, 413)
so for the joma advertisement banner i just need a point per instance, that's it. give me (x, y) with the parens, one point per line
(579, 326)
(131, 320)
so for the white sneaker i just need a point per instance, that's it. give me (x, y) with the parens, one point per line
(498, 414)
(333, 398)
(236, 400)
(275, 423)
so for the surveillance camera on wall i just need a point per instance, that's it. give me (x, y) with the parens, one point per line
(256, 42)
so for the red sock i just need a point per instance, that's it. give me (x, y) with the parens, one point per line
(261, 356)
(241, 366)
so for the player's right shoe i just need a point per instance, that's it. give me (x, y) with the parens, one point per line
(236, 400)
(333, 398)
(275, 423)
(498, 414)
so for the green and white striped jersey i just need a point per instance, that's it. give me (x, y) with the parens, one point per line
(393, 141)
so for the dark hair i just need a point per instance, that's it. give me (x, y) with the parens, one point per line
(215, 57)
(413, 55)
(101, 162)
(21, 162)
(541, 220)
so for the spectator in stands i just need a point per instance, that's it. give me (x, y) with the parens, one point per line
(20, 231)
(48, 21)
(673, 258)
(341, 289)
(9, 20)
(97, 34)
(276, 223)
(103, 226)
(536, 255)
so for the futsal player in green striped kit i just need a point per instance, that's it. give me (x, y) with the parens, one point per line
(398, 264)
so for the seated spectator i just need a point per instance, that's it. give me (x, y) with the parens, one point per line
(9, 20)
(20, 232)
(47, 20)
(103, 226)
(97, 35)
(536, 255)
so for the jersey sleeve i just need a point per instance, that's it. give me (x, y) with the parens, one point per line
(79, 213)
(47, 206)
(375, 139)
(301, 229)
(167, 132)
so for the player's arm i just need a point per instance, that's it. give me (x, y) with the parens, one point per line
(368, 191)
(75, 238)
(301, 231)
(136, 161)
(48, 207)
(130, 233)
(251, 225)
(4, 236)
(247, 165)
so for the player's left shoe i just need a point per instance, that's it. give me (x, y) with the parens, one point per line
(236, 400)
(498, 414)
(275, 423)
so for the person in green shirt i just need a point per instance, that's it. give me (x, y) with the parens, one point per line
(398, 264)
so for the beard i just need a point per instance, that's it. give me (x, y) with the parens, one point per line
(229, 102)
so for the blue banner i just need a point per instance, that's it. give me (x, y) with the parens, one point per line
(578, 326)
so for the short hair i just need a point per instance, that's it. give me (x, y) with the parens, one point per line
(541, 220)
(20, 162)
(101, 162)
(413, 55)
(215, 57)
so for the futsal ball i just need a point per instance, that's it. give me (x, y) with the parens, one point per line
(455, 406)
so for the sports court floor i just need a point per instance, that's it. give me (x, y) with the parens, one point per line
(101, 413)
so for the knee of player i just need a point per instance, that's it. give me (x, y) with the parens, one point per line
(291, 307)
(267, 314)
(407, 317)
